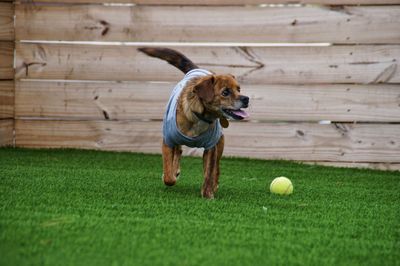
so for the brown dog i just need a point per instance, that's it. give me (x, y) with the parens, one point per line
(199, 105)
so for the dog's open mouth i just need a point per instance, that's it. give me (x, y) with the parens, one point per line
(238, 114)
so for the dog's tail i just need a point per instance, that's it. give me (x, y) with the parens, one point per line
(173, 57)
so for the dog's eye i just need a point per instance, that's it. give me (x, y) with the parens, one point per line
(226, 92)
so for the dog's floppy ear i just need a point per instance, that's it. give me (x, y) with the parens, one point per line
(205, 89)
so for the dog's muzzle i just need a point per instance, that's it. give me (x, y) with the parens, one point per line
(237, 113)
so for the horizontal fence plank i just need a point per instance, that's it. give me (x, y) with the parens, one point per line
(304, 141)
(92, 100)
(6, 21)
(6, 60)
(222, 2)
(264, 65)
(6, 132)
(314, 24)
(6, 99)
(144, 100)
(293, 141)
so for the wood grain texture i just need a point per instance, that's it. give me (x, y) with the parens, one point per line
(6, 132)
(299, 141)
(6, 60)
(314, 24)
(304, 141)
(92, 100)
(223, 2)
(6, 21)
(143, 100)
(262, 65)
(6, 99)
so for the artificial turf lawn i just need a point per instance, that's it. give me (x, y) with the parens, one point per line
(74, 207)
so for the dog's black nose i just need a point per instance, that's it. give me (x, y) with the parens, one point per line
(245, 101)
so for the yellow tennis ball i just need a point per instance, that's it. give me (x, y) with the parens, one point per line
(281, 185)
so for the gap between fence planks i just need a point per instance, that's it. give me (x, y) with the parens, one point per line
(6, 21)
(291, 141)
(377, 166)
(224, 2)
(262, 65)
(6, 99)
(6, 60)
(6, 132)
(313, 24)
(144, 100)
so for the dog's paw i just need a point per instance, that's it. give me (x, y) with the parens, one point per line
(169, 181)
(216, 188)
(207, 194)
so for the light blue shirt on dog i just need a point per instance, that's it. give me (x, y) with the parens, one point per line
(171, 132)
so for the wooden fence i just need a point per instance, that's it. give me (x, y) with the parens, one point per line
(6, 73)
(94, 90)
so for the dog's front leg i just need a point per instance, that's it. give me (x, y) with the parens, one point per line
(169, 177)
(210, 173)
(176, 169)
(220, 150)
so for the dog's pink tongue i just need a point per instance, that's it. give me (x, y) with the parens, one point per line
(240, 113)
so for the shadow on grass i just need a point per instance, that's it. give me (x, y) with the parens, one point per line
(193, 192)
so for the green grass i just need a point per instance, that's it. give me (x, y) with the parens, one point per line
(73, 207)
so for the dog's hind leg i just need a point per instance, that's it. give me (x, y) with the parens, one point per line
(168, 165)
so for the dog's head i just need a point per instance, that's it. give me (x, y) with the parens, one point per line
(221, 94)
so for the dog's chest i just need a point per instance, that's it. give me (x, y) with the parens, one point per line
(196, 129)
